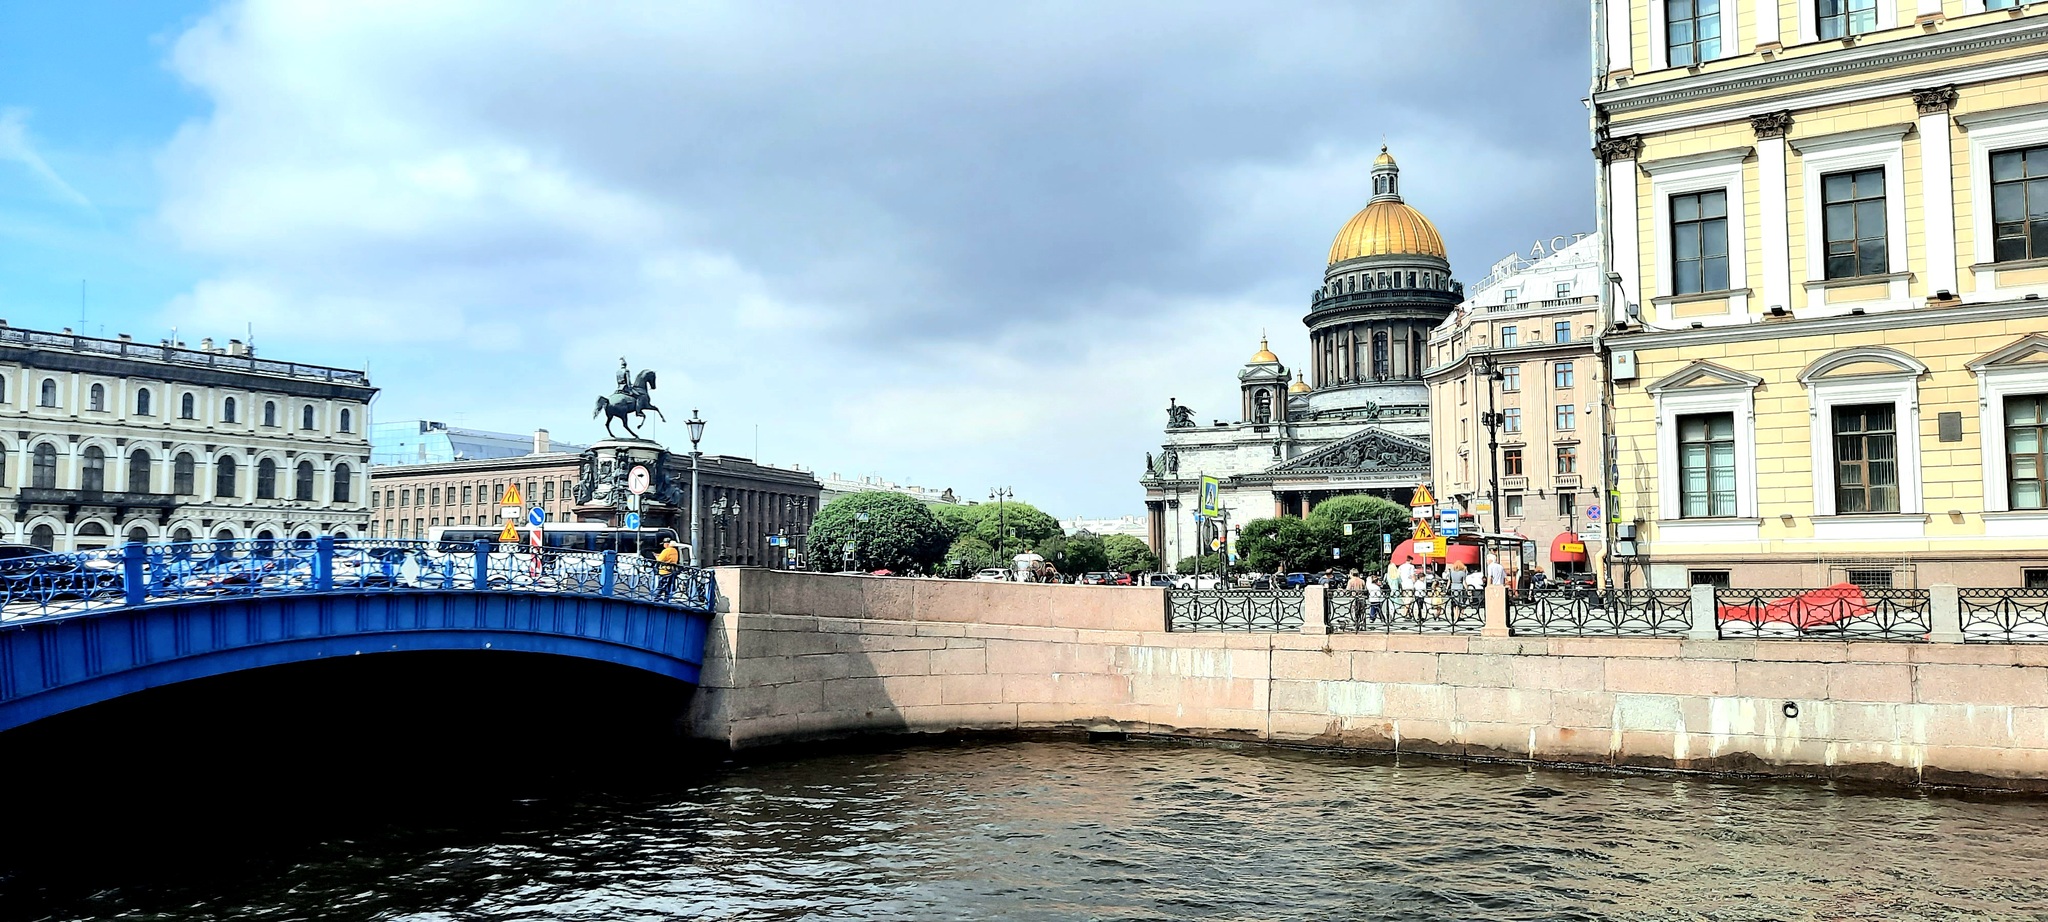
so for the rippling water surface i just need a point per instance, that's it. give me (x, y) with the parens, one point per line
(1057, 830)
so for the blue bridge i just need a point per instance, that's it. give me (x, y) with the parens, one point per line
(82, 628)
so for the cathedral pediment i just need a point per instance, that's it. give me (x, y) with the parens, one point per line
(1367, 451)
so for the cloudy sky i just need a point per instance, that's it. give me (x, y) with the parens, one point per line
(953, 244)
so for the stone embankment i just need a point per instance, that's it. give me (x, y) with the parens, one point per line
(796, 657)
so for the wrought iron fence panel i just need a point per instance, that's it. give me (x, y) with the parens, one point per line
(1833, 613)
(2004, 615)
(1354, 611)
(1233, 610)
(50, 585)
(1590, 612)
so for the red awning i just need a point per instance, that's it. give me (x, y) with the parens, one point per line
(1559, 553)
(1467, 554)
(1406, 552)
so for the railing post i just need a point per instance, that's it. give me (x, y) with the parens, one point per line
(1944, 614)
(609, 574)
(134, 573)
(1496, 624)
(483, 566)
(1314, 610)
(323, 563)
(1704, 615)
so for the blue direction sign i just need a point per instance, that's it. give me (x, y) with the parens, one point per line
(535, 517)
(633, 521)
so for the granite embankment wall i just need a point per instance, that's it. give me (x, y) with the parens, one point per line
(796, 657)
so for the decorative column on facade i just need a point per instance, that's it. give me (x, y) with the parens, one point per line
(1937, 200)
(1771, 128)
(1619, 156)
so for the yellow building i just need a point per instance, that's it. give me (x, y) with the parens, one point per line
(1827, 224)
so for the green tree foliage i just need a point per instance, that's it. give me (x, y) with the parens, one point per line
(973, 554)
(1129, 555)
(1369, 516)
(901, 534)
(1288, 544)
(957, 518)
(1079, 553)
(1211, 563)
(1028, 527)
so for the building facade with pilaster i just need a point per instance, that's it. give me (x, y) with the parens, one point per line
(1828, 323)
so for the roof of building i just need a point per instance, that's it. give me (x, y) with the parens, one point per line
(1264, 355)
(1387, 226)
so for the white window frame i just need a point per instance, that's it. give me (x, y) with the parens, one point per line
(1901, 389)
(1809, 20)
(1979, 6)
(1999, 129)
(1738, 399)
(1855, 150)
(1995, 382)
(1722, 170)
(1660, 38)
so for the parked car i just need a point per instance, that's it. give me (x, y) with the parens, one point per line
(1158, 580)
(1205, 581)
(1120, 579)
(993, 574)
(1093, 579)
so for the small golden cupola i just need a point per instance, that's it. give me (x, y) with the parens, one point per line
(1299, 386)
(1264, 355)
(1264, 384)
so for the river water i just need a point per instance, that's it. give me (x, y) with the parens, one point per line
(1114, 830)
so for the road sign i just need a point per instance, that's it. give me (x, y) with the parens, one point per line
(511, 533)
(1482, 506)
(776, 541)
(1386, 543)
(1422, 499)
(849, 547)
(1212, 490)
(1573, 547)
(1593, 513)
(536, 517)
(511, 497)
(1448, 528)
(1438, 547)
(638, 480)
(633, 521)
(1336, 553)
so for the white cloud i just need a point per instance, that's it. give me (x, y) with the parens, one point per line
(16, 146)
(955, 244)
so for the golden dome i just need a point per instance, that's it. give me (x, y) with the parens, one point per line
(1264, 355)
(1387, 228)
(1299, 386)
(1384, 159)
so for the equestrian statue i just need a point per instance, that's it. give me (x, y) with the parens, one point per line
(633, 398)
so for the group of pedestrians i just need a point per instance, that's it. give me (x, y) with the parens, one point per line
(1406, 587)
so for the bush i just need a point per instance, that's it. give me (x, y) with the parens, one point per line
(1211, 563)
(901, 534)
(1369, 516)
(1129, 555)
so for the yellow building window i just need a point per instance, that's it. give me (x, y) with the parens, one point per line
(1866, 458)
(2026, 425)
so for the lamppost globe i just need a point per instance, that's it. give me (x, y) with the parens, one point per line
(696, 430)
(696, 435)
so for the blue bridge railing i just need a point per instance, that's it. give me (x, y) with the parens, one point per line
(52, 585)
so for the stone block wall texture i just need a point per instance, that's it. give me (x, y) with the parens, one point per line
(797, 657)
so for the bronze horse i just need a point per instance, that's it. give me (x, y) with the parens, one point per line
(633, 400)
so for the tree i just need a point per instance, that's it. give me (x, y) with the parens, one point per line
(957, 518)
(1286, 543)
(1211, 564)
(1080, 552)
(972, 552)
(901, 533)
(1027, 527)
(1370, 517)
(1129, 555)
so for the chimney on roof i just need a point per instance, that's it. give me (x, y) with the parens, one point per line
(205, 345)
(125, 337)
(235, 347)
(540, 441)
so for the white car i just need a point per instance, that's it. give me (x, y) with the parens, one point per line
(993, 574)
(1197, 582)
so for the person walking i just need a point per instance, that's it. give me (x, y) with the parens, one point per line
(667, 564)
(1495, 575)
(1374, 598)
(1356, 583)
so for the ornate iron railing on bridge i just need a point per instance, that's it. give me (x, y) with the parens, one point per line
(50, 585)
(2004, 615)
(1841, 612)
(1589, 612)
(1350, 611)
(1233, 610)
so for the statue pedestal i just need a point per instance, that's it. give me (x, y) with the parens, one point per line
(604, 485)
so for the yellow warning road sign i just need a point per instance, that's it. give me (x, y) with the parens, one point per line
(511, 496)
(511, 533)
(1422, 496)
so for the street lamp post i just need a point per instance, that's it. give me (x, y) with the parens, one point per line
(1492, 420)
(696, 425)
(722, 511)
(859, 530)
(998, 495)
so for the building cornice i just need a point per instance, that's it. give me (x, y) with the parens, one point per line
(119, 367)
(1804, 70)
(1823, 326)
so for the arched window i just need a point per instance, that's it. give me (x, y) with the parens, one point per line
(182, 535)
(138, 471)
(341, 483)
(142, 407)
(343, 536)
(96, 398)
(347, 421)
(264, 542)
(185, 407)
(270, 412)
(266, 479)
(227, 410)
(44, 473)
(181, 474)
(306, 417)
(3, 389)
(1262, 406)
(49, 396)
(89, 537)
(93, 474)
(302, 482)
(224, 477)
(138, 535)
(43, 537)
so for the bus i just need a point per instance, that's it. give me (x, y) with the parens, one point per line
(567, 536)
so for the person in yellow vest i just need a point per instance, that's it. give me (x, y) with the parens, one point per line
(667, 564)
